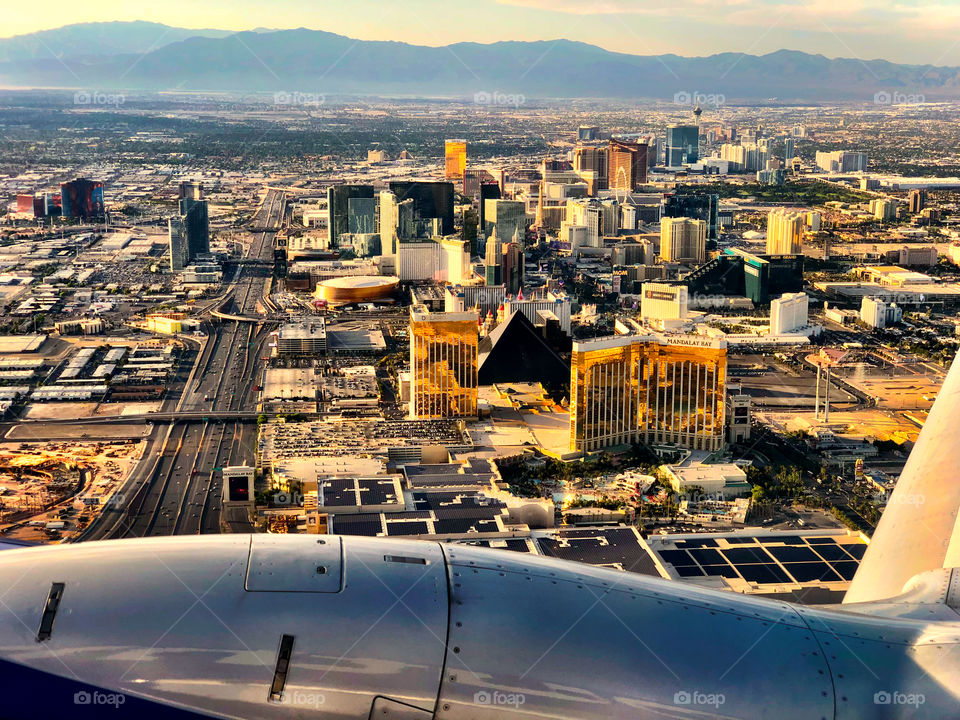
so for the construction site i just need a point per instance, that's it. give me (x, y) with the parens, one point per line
(51, 491)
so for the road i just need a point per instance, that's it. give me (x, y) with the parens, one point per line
(176, 489)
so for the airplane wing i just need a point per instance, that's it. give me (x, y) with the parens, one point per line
(918, 530)
(14, 544)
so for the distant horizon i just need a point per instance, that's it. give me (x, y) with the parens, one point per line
(477, 42)
(918, 34)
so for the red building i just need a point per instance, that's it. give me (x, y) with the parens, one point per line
(25, 203)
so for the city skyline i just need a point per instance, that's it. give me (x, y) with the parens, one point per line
(530, 368)
(915, 34)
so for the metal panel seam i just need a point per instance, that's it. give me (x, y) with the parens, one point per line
(448, 571)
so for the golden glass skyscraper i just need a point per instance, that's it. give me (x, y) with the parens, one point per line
(456, 154)
(653, 389)
(785, 232)
(443, 364)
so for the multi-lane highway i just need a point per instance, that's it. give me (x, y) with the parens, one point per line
(176, 488)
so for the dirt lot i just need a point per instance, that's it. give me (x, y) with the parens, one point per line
(59, 410)
(30, 468)
(94, 432)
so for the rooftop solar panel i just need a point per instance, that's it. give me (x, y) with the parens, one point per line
(821, 541)
(784, 539)
(513, 544)
(739, 556)
(439, 469)
(763, 574)
(454, 525)
(805, 572)
(856, 550)
(792, 553)
(376, 492)
(361, 517)
(677, 558)
(846, 568)
(338, 484)
(472, 512)
(407, 527)
(689, 571)
(355, 525)
(696, 543)
(409, 515)
(430, 481)
(339, 492)
(601, 546)
(592, 533)
(726, 571)
(707, 556)
(831, 552)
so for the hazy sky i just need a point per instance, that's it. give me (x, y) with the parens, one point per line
(911, 31)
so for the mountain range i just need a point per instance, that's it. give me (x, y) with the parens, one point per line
(92, 39)
(307, 63)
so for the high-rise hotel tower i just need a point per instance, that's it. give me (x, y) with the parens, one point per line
(651, 389)
(455, 153)
(443, 364)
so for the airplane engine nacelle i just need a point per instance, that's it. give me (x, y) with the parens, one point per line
(260, 626)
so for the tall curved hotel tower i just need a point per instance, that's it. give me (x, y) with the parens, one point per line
(455, 153)
(654, 389)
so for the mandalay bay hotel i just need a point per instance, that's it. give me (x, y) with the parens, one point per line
(651, 389)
